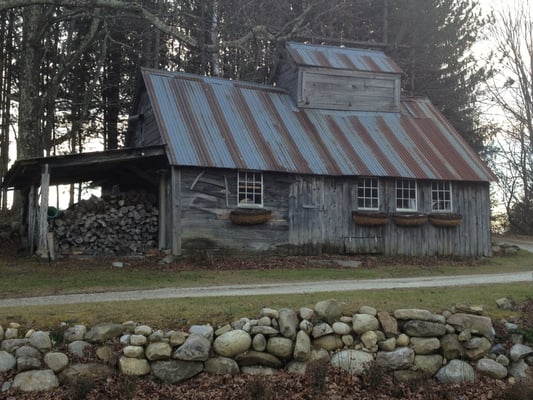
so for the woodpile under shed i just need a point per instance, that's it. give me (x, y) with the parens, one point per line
(121, 224)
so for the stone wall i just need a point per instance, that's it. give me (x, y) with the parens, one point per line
(409, 343)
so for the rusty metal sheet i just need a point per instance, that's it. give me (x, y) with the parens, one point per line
(342, 58)
(211, 122)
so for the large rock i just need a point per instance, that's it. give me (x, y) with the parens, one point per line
(133, 351)
(321, 329)
(401, 358)
(36, 381)
(11, 345)
(259, 342)
(158, 351)
(1, 332)
(221, 366)
(369, 339)
(91, 372)
(41, 341)
(328, 342)
(425, 345)
(250, 358)
(56, 361)
(7, 361)
(389, 324)
(280, 347)
(264, 330)
(134, 366)
(175, 371)
(456, 372)
(302, 346)
(521, 371)
(474, 323)
(364, 322)
(28, 363)
(476, 348)
(340, 328)
(519, 351)
(232, 343)
(76, 332)
(491, 368)
(451, 347)
(328, 310)
(424, 328)
(418, 314)
(288, 323)
(428, 365)
(353, 361)
(103, 332)
(78, 348)
(195, 348)
(206, 331)
(28, 351)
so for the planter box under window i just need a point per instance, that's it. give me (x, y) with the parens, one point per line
(410, 219)
(370, 218)
(445, 219)
(249, 216)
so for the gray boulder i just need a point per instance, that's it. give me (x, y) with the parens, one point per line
(491, 368)
(41, 341)
(364, 322)
(389, 324)
(288, 322)
(328, 342)
(27, 363)
(103, 332)
(36, 381)
(401, 358)
(195, 348)
(521, 371)
(7, 361)
(328, 310)
(302, 346)
(451, 347)
(76, 332)
(11, 345)
(206, 331)
(221, 366)
(175, 371)
(428, 365)
(78, 348)
(158, 351)
(474, 323)
(250, 358)
(28, 351)
(321, 329)
(92, 372)
(424, 328)
(280, 347)
(134, 366)
(232, 343)
(476, 348)
(353, 361)
(56, 361)
(425, 345)
(456, 372)
(519, 351)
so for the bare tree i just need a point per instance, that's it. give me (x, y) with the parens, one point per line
(511, 90)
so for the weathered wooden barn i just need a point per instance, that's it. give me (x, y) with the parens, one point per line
(329, 159)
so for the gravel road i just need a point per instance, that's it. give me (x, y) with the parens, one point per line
(273, 289)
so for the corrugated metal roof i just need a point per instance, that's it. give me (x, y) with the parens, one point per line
(211, 122)
(341, 58)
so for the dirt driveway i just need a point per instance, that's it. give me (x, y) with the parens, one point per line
(273, 289)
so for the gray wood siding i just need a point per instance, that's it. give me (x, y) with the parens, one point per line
(146, 132)
(312, 215)
(339, 90)
(208, 196)
(320, 218)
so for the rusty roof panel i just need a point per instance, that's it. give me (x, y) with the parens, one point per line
(342, 58)
(211, 122)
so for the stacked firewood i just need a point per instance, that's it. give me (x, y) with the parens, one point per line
(121, 224)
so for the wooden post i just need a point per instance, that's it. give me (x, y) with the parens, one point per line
(175, 203)
(42, 247)
(32, 213)
(162, 210)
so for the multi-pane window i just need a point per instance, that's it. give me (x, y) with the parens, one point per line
(250, 189)
(368, 194)
(406, 195)
(441, 196)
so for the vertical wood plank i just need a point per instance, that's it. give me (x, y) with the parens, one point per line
(42, 246)
(162, 211)
(176, 205)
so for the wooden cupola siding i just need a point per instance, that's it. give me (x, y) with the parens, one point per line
(312, 215)
(338, 90)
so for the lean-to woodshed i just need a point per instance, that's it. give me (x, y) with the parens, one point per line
(329, 159)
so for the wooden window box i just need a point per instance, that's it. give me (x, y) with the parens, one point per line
(249, 216)
(370, 218)
(410, 219)
(445, 219)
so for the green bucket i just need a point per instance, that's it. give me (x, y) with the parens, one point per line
(53, 212)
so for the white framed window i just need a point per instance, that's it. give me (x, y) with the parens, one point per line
(406, 196)
(441, 196)
(249, 189)
(368, 194)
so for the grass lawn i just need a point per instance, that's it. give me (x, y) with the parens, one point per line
(27, 277)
